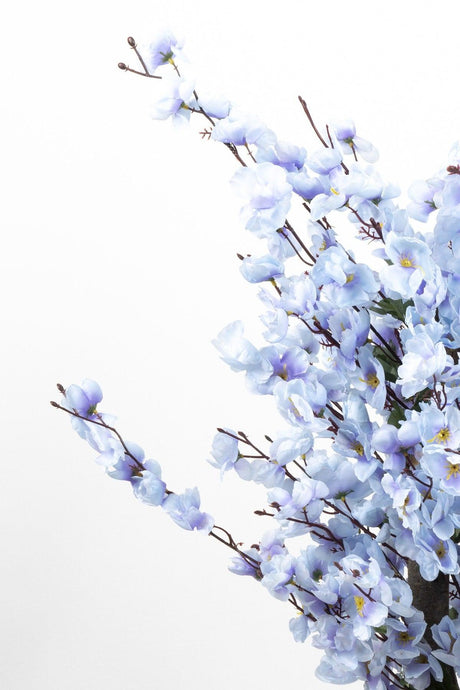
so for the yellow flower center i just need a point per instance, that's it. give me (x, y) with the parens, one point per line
(404, 637)
(358, 448)
(350, 277)
(440, 550)
(452, 470)
(406, 262)
(284, 373)
(405, 504)
(359, 601)
(372, 381)
(442, 436)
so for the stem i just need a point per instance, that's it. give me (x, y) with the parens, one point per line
(315, 129)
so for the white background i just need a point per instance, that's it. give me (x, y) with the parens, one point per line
(119, 238)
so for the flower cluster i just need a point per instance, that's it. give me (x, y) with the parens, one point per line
(362, 363)
(126, 461)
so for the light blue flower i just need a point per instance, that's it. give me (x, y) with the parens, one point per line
(424, 358)
(256, 269)
(173, 95)
(267, 196)
(148, 486)
(184, 509)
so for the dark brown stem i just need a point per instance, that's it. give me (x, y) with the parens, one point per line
(432, 598)
(316, 131)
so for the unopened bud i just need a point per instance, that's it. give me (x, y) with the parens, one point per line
(121, 65)
(131, 42)
(240, 256)
(60, 388)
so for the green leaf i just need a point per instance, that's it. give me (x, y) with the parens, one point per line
(390, 367)
(396, 415)
(393, 307)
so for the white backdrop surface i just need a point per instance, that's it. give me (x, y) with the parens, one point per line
(119, 241)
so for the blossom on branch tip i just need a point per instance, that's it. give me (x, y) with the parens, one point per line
(163, 50)
(345, 132)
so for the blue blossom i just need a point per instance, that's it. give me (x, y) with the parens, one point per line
(240, 128)
(256, 269)
(184, 510)
(305, 495)
(350, 143)
(235, 350)
(435, 555)
(387, 440)
(425, 357)
(245, 564)
(269, 474)
(404, 638)
(277, 324)
(436, 514)
(292, 400)
(224, 450)
(369, 379)
(277, 574)
(148, 486)
(122, 462)
(324, 160)
(83, 399)
(338, 474)
(172, 100)
(163, 50)
(444, 467)
(325, 202)
(441, 428)
(282, 153)
(267, 196)
(449, 196)
(365, 614)
(346, 283)
(350, 328)
(290, 445)
(411, 265)
(306, 186)
(446, 634)
(214, 106)
(300, 627)
(420, 670)
(406, 499)
(422, 198)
